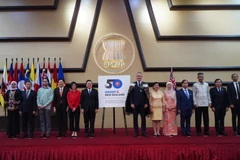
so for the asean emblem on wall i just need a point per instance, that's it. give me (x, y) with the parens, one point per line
(114, 53)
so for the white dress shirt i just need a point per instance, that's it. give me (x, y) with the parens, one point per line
(201, 96)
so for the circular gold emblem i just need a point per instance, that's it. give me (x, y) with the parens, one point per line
(114, 53)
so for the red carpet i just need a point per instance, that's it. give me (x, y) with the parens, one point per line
(121, 147)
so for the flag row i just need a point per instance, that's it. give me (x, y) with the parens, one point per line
(21, 76)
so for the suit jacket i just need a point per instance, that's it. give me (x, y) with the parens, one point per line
(89, 102)
(219, 99)
(137, 97)
(28, 104)
(232, 96)
(57, 98)
(183, 103)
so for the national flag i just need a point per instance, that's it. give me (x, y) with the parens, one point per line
(60, 72)
(32, 75)
(49, 74)
(10, 73)
(21, 78)
(27, 73)
(172, 80)
(10, 76)
(4, 85)
(44, 71)
(54, 77)
(38, 79)
(15, 73)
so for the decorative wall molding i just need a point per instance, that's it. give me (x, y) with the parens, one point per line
(160, 37)
(49, 39)
(70, 35)
(173, 7)
(157, 34)
(30, 7)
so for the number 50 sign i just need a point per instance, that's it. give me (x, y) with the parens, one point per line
(113, 90)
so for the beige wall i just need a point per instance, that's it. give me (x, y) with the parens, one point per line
(114, 19)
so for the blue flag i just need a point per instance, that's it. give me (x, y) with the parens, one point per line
(60, 72)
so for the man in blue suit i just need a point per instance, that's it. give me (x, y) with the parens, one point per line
(185, 107)
(219, 106)
(28, 109)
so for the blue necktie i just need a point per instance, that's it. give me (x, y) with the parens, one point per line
(89, 91)
(186, 92)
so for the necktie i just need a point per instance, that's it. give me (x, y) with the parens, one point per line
(27, 93)
(139, 83)
(219, 89)
(61, 92)
(89, 91)
(186, 92)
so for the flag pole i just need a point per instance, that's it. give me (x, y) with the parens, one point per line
(5, 111)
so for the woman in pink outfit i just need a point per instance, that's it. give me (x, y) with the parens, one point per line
(169, 111)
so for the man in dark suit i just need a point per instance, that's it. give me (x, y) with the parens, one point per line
(234, 102)
(89, 107)
(185, 107)
(219, 106)
(139, 103)
(28, 109)
(61, 107)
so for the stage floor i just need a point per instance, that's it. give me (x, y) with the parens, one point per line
(119, 146)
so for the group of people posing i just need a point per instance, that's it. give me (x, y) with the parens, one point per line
(161, 105)
(166, 105)
(61, 100)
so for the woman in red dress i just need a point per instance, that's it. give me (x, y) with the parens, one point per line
(74, 100)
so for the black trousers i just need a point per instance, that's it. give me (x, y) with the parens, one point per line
(236, 117)
(61, 119)
(13, 125)
(89, 117)
(185, 121)
(136, 111)
(74, 119)
(28, 118)
(219, 116)
(198, 115)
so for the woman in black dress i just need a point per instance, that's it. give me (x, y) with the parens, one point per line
(12, 102)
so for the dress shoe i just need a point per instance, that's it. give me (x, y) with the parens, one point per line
(64, 135)
(158, 134)
(184, 134)
(189, 135)
(14, 137)
(207, 134)
(92, 135)
(217, 134)
(86, 134)
(9, 136)
(47, 135)
(236, 134)
(24, 136)
(224, 133)
(199, 133)
(30, 136)
(73, 133)
(144, 135)
(42, 135)
(136, 135)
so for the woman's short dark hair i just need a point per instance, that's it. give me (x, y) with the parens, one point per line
(184, 81)
(218, 79)
(72, 83)
(155, 83)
